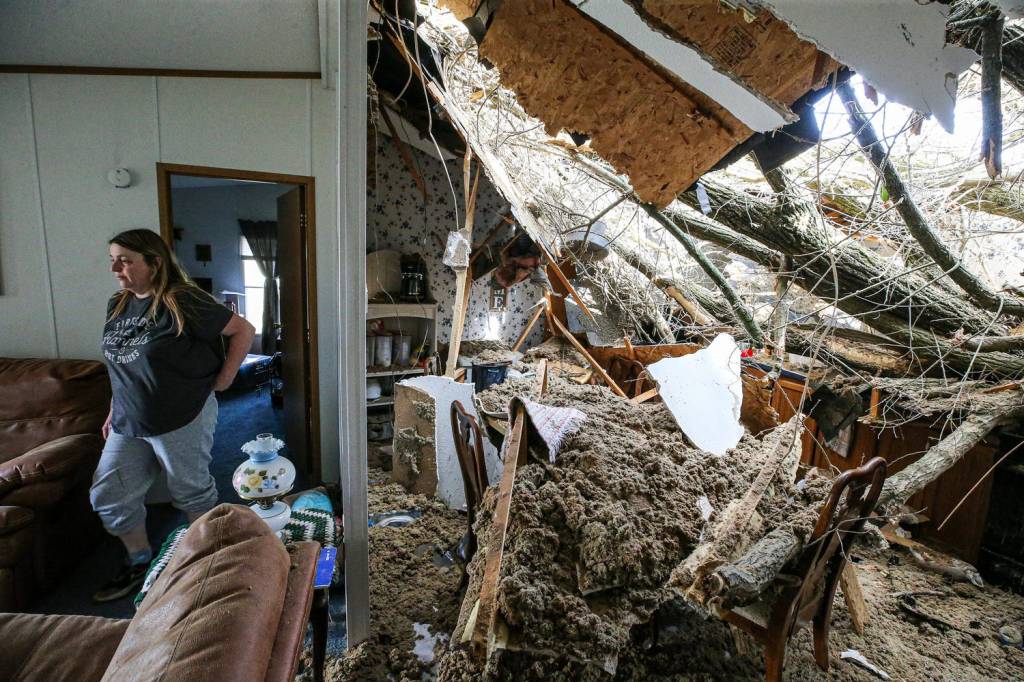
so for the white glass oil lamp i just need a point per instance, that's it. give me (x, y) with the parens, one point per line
(264, 478)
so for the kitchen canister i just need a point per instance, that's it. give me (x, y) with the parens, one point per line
(403, 350)
(384, 343)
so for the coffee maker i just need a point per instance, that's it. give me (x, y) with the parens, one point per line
(414, 279)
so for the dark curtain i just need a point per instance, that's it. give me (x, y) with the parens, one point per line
(261, 235)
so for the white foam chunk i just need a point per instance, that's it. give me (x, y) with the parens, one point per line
(755, 109)
(704, 504)
(445, 391)
(704, 393)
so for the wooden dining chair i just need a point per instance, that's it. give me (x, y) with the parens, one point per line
(469, 448)
(808, 597)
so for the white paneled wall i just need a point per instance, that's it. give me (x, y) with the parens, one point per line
(57, 214)
(26, 320)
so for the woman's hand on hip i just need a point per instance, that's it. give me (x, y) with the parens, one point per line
(106, 426)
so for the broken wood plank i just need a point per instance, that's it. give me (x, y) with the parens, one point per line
(876, 397)
(854, 597)
(529, 328)
(593, 363)
(644, 397)
(487, 613)
(542, 377)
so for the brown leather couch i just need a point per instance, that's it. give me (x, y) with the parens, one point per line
(232, 604)
(51, 413)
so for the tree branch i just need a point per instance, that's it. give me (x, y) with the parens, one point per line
(915, 221)
(742, 312)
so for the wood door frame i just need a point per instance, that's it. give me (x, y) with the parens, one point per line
(307, 185)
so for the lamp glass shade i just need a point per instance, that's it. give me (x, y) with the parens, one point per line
(266, 475)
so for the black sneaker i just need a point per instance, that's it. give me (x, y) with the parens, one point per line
(128, 580)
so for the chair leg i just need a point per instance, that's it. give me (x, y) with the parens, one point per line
(319, 616)
(820, 629)
(774, 658)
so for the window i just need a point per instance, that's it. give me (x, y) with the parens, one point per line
(253, 281)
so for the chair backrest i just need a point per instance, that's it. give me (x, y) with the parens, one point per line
(469, 447)
(628, 374)
(840, 524)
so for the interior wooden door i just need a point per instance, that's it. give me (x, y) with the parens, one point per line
(291, 270)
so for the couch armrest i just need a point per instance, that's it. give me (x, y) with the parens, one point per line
(14, 518)
(48, 462)
(291, 629)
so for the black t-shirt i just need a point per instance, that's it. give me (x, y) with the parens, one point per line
(160, 380)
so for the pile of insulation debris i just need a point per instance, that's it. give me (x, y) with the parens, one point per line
(592, 543)
(595, 536)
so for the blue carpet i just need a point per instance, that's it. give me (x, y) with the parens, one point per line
(241, 417)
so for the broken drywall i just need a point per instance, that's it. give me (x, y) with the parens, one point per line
(444, 392)
(898, 46)
(703, 391)
(756, 110)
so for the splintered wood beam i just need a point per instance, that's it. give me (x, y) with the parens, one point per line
(407, 159)
(463, 282)
(487, 611)
(542, 377)
(529, 328)
(590, 359)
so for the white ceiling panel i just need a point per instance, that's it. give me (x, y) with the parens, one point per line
(228, 35)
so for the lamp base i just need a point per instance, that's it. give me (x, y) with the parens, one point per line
(275, 516)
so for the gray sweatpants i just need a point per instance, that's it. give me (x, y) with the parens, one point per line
(128, 467)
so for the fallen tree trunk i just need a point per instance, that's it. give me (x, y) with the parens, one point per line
(993, 197)
(916, 223)
(834, 268)
(998, 411)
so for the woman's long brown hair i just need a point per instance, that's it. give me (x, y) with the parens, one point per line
(169, 279)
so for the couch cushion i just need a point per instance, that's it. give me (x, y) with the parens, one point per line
(44, 399)
(56, 648)
(213, 613)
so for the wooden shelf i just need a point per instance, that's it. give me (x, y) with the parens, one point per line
(398, 371)
(426, 311)
(383, 401)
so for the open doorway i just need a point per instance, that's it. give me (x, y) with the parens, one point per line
(248, 239)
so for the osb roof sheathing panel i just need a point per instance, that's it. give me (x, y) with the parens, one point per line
(764, 53)
(574, 75)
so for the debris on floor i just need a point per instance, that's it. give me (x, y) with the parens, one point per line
(413, 587)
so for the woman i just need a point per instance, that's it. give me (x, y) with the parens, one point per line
(163, 347)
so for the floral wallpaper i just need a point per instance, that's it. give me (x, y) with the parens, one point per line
(398, 218)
